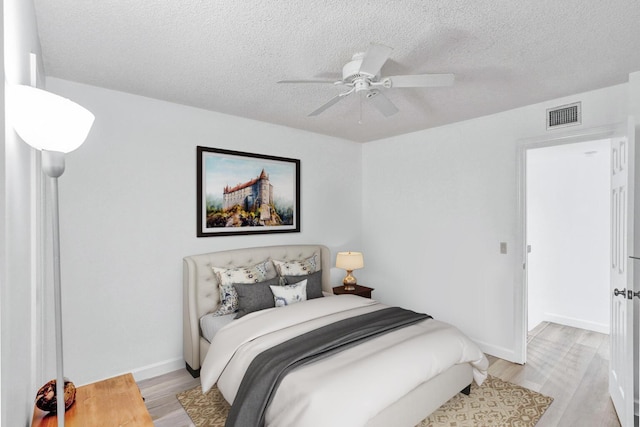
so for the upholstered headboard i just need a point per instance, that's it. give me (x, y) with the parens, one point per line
(200, 286)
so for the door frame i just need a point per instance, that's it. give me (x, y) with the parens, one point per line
(523, 145)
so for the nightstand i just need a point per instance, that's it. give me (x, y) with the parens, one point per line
(362, 291)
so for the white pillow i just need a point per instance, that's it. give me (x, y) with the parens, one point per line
(289, 294)
(250, 274)
(228, 276)
(297, 268)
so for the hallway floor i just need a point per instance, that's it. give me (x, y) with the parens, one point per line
(572, 366)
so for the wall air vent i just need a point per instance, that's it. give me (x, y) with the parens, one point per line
(565, 115)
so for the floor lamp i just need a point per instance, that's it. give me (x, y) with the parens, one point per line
(54, 125)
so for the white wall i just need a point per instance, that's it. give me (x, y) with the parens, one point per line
(568, 228)
(128, 217)
(437, 204)
(18, 282)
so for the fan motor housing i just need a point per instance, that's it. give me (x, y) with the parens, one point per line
(351, 70)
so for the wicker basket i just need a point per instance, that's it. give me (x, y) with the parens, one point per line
(46, 396)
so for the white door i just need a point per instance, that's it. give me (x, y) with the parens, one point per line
(621, 363)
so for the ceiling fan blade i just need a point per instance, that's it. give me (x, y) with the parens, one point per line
(374, 58)
(307, 81)
(382, 103)
(421, 80)
(326, 105)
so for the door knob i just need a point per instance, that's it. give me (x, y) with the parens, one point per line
(623, 292)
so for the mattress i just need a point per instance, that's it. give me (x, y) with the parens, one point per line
(210, 324)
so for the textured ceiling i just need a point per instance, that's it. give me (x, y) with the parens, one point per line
(227, 56)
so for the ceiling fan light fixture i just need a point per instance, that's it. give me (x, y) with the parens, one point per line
(362, 84)
(363, 75)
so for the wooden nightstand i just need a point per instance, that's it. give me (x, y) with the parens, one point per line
(362, 291)
(113, 402)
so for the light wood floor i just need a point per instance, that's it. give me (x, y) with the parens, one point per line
(572, 366)
(568, 364)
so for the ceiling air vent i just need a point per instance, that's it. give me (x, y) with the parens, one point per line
(565, 115)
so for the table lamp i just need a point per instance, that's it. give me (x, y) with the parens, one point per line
(349, 261)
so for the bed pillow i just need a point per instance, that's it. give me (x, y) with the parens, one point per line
(228, 301)
(250, 274)
(254, 296)
(289, 294)
(228, 276)
(297, 268)
(314, 283)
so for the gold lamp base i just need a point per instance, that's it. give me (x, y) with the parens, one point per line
(349, 281)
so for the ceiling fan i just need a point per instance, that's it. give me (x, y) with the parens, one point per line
(362, 76)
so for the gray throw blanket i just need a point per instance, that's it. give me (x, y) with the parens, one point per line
(267, 370)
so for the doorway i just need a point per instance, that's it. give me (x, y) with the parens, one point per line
(568, 234)
(569, 140)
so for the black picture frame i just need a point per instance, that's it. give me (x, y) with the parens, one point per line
(242, 193)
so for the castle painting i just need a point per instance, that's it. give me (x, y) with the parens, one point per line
(244, 193)
(251, 195)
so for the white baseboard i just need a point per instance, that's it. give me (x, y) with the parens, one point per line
(159, 368)
(497, 351)
(576, 323)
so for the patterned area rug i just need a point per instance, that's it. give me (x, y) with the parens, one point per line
(495, 404)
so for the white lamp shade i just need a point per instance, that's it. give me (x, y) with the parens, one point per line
(349, 260)
(47, 121)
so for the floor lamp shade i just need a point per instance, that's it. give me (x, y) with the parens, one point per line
(54, 125)
(47, 121)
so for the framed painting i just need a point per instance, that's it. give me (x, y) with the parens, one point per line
(246, 193)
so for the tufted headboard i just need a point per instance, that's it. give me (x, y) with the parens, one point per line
(201, 294)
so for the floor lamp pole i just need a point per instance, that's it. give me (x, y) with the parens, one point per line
(53, 166)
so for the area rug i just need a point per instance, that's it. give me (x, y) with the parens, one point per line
(494, 404)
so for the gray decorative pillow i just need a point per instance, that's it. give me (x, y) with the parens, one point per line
(228, 276)
(254, 296)
(314, 283)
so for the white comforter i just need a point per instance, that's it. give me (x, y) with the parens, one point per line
(374, 374)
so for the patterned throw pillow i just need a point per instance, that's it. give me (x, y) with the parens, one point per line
(297, 268)
(228, 276)
(289, 294)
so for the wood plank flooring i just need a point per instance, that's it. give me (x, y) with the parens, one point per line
(568, 364)
(572, 366)
(160, 397)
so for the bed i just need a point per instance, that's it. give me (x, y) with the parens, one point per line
(202, 297)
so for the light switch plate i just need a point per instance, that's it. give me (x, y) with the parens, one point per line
(503, 247)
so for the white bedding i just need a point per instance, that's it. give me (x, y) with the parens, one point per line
(210, 324)
(370, 376)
